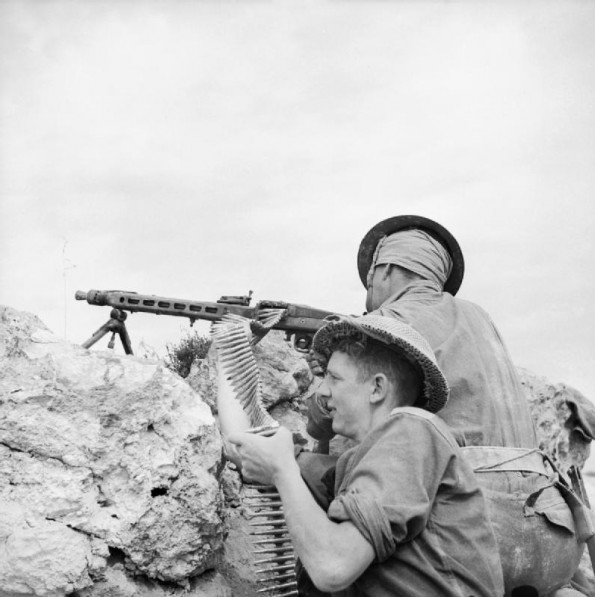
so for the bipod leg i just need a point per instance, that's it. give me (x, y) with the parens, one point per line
(125, 338)
(115, 325)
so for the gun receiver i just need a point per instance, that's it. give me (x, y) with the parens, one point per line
(298, 320)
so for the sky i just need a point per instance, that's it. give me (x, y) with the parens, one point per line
(194, 149)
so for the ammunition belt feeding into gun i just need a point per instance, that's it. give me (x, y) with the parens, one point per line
(233, 339)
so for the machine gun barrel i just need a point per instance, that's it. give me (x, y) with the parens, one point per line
(160, 305)
(300, 321)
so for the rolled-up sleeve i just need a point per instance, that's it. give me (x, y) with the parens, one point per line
(369, 518)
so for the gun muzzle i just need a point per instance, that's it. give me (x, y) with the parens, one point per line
(93, 297)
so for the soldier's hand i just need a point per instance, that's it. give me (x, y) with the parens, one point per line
(320, 423)
(315, 362)
(262, 458)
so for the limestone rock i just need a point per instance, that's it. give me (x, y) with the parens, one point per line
(284, 372)
(39, 556)
(100, 455)
(563, 418)
(117, 583)
(203, 379)
(564, 421)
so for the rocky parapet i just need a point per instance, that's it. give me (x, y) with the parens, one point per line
(102, 458)
(564, 419)
(112, 481)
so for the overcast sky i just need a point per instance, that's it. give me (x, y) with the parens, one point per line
(198, 148)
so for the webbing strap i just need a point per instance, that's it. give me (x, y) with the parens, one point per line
(489, 459)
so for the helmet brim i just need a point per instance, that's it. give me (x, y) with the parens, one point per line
(398, 336)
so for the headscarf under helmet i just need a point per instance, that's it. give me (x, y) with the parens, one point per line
(416, 251)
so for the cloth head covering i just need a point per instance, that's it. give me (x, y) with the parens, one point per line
(398, 336)
(416, 251)
(369, 244)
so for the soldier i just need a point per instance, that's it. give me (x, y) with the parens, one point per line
(408, 517)
(412, 267)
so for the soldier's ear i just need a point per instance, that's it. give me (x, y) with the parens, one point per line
(380, 388)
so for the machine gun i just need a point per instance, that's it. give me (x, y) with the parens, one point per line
(298, 321)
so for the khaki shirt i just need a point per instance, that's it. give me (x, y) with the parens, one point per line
(410, 494)
(487, 405)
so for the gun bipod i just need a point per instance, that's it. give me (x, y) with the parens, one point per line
(114, 325)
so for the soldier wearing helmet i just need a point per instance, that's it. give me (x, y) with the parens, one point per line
(412, 268)
(404, 495)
